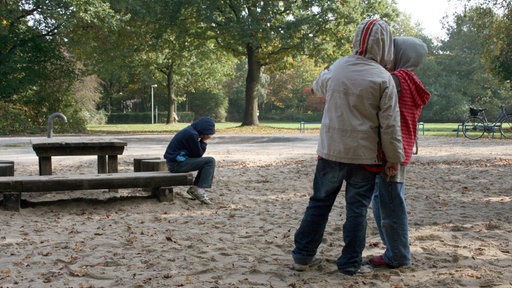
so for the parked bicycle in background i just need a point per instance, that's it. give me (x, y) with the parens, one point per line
(477, 124)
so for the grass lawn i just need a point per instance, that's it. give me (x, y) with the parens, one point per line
(220, 127)
(431, 129)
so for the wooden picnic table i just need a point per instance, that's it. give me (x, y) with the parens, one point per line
(107, 152)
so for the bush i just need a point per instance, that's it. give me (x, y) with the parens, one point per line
(129, 118)
(185, 117)
(94, 117)
(15, 120)
(208, 103)
(145, 117)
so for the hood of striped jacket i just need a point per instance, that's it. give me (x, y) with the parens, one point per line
(373, 40)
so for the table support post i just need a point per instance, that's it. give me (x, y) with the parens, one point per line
(102, 164)
(109, 165)
(45, 165)
(112, 164)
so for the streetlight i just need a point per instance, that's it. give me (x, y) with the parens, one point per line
(152, 101)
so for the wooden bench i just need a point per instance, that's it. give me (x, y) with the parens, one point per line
(6, 168)
(160, 184)
(149, 164)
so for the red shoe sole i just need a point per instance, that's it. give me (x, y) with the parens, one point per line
(378, 261)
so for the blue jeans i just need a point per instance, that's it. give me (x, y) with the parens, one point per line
(390, 214)
(329, 177)
(205, 167)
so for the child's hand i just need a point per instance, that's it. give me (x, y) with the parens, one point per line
(308, 90)
(391, 169)
(204, 138)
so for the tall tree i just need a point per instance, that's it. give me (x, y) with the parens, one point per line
(457, 75)
(500, 54)
(496, 14)
(266, 32)
(156, 40)
(285, 91)
(36, 68)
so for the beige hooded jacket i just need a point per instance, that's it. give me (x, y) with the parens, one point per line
(361, 101)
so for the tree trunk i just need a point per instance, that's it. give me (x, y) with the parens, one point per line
(170, 93)
(251, 85)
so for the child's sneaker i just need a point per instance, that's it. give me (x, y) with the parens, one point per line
(303, 267)
(203, 198)
(361, 270)
(378, 262)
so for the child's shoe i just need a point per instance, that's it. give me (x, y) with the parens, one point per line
(203, 198)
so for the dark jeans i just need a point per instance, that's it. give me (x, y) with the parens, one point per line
(329, 177)
(205, 167)
(390, 214)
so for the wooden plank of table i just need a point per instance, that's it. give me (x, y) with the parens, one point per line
(79, 148)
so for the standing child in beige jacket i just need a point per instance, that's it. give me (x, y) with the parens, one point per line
(361, 104)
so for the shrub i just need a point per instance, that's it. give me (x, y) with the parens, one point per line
(15, 120)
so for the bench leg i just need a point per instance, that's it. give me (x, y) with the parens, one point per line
(164, 194)
(107, 164)
(45, 165)
(112, 163)
(12, 201)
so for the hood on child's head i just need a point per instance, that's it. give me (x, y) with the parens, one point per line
(373, 40)
(204, 126)
(410, 53)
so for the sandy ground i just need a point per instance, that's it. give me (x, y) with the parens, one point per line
(459, 194)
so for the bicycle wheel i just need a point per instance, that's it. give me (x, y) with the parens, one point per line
(506, 126)
(473, 128)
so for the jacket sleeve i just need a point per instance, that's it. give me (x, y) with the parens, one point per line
(202, 146)
(195, 147)
(320, 84)
(389, 118)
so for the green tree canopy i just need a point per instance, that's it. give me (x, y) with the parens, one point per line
(457, 74)
(36, 70)
(266, 32)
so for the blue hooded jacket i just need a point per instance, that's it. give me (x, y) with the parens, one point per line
(187, 143)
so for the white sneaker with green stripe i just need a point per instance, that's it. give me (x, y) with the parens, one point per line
(203, 198)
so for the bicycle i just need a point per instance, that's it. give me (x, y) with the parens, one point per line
(477, 124)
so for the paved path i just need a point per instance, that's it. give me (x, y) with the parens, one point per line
(20, 150)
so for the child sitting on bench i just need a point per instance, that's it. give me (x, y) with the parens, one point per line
(185, 154)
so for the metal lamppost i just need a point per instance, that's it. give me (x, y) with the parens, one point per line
(152, 101)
